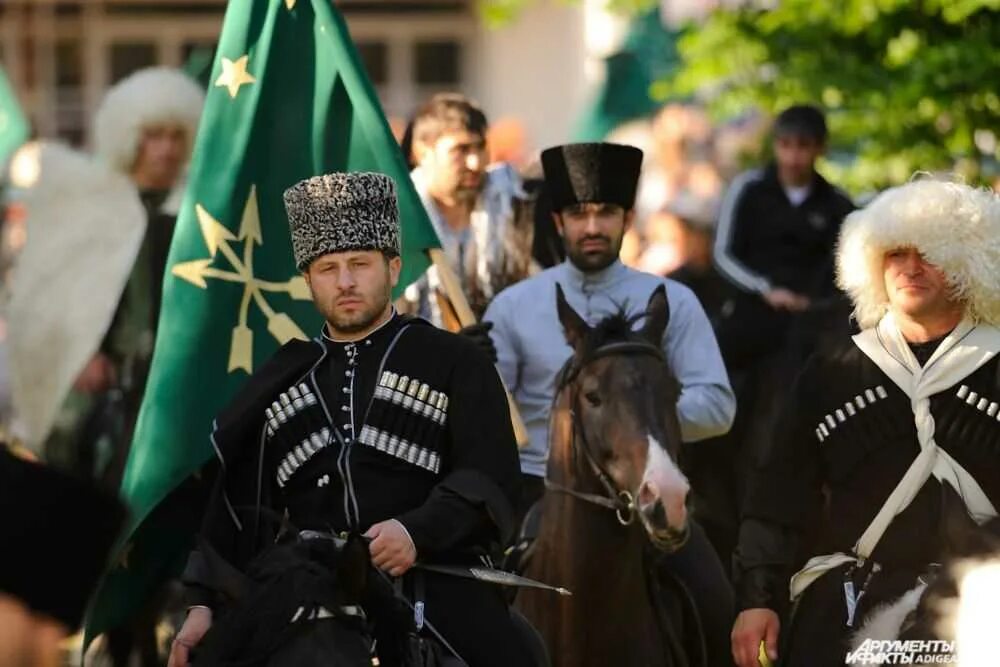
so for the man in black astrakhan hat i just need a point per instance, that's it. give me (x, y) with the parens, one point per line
(593, 188)
(381, 425)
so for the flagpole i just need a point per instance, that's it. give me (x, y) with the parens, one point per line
(466, 317)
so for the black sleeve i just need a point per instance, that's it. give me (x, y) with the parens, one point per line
(784, 498)
(216, 551)
(735, 234)
(234, 527)
(471, 507)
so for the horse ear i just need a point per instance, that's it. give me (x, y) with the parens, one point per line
(574, 328)
(657, 316)
(960, 534)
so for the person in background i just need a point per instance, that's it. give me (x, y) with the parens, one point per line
(144, 131)
(774, 247)
(44, 585)
(472, 207)
(694, 216)
(775, 238)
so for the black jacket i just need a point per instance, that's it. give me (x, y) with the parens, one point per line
(813, 496)
(452, 486)
(764, 242)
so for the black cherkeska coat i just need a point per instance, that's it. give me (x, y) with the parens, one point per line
(846, 440)
(411, 424)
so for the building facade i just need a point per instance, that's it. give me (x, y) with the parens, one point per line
(62, 55)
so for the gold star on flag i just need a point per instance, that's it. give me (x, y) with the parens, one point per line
(234, 74)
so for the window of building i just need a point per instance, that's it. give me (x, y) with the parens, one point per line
(375, 57)
(437, 62)
(69, 80)
(127, 57)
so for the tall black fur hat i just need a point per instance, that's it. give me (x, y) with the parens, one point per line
(342, 212)
(58, 532)
(592, 173)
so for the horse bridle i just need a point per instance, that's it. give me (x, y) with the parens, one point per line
(621, 501)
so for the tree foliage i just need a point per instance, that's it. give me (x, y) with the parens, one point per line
(497, 13)
(909, 85)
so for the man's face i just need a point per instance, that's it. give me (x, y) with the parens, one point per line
(916, 288)
(28, 639)
(593, 233)
(796, 155)
(455, 164)
(163, 149)
(352, 290)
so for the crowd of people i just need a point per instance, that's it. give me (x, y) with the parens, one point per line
(811, 477)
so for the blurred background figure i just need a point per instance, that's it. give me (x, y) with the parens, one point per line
(776, 235)
(774, 247)
(474, 206)
(86, 287)
(58, 532)
(693, 216)
(107, 221)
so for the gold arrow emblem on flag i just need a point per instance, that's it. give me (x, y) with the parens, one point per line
(218, 239)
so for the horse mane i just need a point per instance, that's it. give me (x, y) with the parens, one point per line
(614, 328)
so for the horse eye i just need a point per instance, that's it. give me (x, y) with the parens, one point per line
(593, 398)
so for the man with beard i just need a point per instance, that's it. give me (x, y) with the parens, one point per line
(593, 189)
(382, 425)
(850, 491)
(470, 205)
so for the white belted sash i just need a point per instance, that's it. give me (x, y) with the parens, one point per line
(961, 353)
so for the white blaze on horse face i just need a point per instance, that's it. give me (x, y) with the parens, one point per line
(662, 480)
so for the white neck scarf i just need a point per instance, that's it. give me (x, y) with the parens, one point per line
(959, 355)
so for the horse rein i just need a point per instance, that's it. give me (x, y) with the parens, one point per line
(621, 501)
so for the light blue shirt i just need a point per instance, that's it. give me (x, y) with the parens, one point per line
(532, 348)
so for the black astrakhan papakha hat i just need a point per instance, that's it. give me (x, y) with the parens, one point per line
(592, 173)
(58, 531)
(342, 212)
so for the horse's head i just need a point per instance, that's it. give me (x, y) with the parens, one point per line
(618, 398)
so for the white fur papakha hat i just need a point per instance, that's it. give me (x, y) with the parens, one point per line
(954, 226)
(151, 96)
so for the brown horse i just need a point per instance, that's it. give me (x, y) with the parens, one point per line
(614, 498)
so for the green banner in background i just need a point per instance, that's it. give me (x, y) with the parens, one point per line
(14, 129)
(288, 99)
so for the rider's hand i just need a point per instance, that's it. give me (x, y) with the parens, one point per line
(783, 299)
(480, 335)
(197, 623)
(391, 548)
(97, 376)
(752, 626)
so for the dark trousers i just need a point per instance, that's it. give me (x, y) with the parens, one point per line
(474, 618)
(696, 566)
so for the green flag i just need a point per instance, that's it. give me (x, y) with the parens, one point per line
(288, 99)
(13, 126)
(648, 53)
